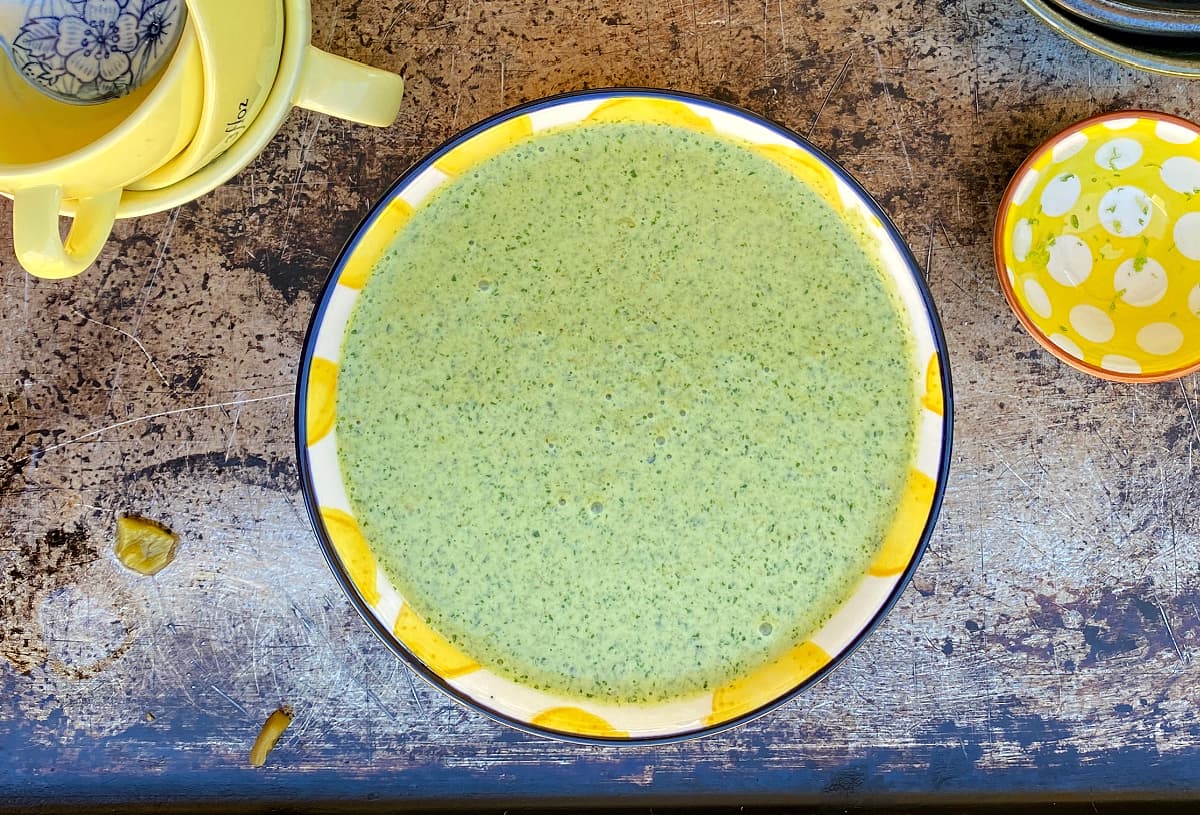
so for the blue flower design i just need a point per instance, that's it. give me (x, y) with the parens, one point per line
(156, 23)
(98, 42)
(93, 50)
(159, 23)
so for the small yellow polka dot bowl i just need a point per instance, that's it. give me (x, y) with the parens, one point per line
(1097, 246)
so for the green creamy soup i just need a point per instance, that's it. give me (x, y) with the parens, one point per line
(625, 411)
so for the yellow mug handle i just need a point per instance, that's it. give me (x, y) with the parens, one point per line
(347, 89)
(41, 249)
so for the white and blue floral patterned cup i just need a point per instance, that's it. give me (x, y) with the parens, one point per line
(88, 51)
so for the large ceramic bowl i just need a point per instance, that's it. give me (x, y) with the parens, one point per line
(891, 556)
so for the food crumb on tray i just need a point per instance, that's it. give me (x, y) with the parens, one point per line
(272, 729)
(143, 545)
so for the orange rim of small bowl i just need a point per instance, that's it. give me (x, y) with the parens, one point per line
(1000, 238)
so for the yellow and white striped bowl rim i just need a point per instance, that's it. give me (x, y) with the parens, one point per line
(568, 715)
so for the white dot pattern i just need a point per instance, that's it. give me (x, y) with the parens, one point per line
(1120, 364)
(1067, 344)
(1160, 339)
(1092, 324)
(1068, 147)
(1025, 186)
(1140, 281)
(1022, 239)
(1125, 211)
(1070, 261)
(1182, 174)
(1119, 154)
(1174, 133)
(1061, 194)
(1187, 235)
(1039, 301)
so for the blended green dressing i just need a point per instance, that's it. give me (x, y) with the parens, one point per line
(625, 411)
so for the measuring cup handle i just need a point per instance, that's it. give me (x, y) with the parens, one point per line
(347, 89)
(39, 246)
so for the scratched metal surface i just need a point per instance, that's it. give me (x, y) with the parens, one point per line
(1046, 646)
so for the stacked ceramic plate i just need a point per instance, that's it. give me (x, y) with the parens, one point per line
(1155, 35)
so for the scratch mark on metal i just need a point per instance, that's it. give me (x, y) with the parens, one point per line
(1170, 632)
(230, 700)
(302, 617)
(1015, 474)
(124, 422)
(891, 103)
(331, 36)
(374, 697)
(929, 256)
(1187, 403)
(782, 27)
(387, 32)
(237, 414)
(412, 687)
(305, 154)
(1174, 554)
(25, 304)
(828, 94)
(136, 341)
(172, 219)
(950, 242)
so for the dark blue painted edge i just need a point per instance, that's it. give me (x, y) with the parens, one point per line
(1049, 769)
(330, 284)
